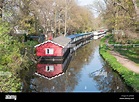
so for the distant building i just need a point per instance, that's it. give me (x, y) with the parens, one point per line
(118, 32)
(19, 32)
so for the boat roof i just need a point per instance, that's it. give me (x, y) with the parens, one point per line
(60, 41)
(73, 35)
(76, 35)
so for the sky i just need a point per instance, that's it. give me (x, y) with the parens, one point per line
(87, 2)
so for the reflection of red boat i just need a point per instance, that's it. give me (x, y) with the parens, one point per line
(52, 69)
(49, 71)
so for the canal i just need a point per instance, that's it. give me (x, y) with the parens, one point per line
(85, 71)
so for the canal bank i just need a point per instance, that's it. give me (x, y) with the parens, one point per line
(129, 77)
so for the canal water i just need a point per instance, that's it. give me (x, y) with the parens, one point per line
(85, 71)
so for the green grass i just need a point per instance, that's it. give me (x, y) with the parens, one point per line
(130, 52)
(130, 78)
(137, 1)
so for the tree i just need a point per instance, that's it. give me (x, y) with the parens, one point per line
(61, 16)
(121, 15)
(1, 7)
(10, 60)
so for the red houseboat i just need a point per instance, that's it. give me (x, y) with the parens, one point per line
(56, 49)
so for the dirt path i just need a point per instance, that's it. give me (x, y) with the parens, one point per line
(124, 61)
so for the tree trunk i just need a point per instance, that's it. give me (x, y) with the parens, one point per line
(1, 7)
(65, 31)
(136, 9)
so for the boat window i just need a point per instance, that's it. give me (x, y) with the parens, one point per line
(49, 51)
(49, 68)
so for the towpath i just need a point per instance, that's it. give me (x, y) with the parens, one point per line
(125, 61)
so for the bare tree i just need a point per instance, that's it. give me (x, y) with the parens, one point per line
(136, 8)
(1, 7)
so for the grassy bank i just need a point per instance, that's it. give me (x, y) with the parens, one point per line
(130, 78)
(131, 51)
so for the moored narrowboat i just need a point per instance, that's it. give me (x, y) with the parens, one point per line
(78, 40)
(56, 49)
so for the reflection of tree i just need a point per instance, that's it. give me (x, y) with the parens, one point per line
(45, 85)
(110, 82)
(81, 57)
(26, 75)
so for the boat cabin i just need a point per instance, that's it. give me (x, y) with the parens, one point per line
(55, 49)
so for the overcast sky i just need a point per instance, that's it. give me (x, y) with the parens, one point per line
(85, 2)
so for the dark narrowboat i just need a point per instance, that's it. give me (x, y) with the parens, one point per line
(78, 40)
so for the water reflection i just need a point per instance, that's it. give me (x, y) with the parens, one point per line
(86, 71)
(51, 70)
(109, 81)
(50, 76)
